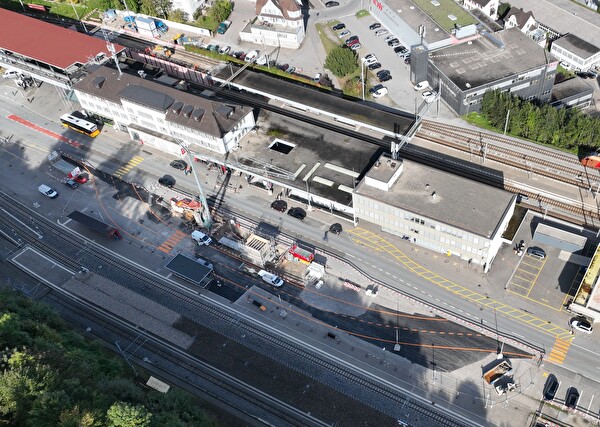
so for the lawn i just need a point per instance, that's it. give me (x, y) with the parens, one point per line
(440, 13)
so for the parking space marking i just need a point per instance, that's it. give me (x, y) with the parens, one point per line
(367, 238)
(123, 170)
(172, 241)
(559, 350)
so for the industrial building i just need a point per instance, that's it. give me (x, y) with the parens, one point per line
(435, 209)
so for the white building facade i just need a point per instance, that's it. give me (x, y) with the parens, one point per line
(163, 117)
(278, 23)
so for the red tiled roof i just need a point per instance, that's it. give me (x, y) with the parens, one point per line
(46, 42)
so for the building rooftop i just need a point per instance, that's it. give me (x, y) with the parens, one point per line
(393, 121)
(49, 43)
(577, 46)
(557, 15)
(414, 17)
(446, 198)
(482, 61)
(211, 116)
(571, 87)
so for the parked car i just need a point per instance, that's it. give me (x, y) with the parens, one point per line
(178, 164)
(536, 252)
(317, 78)
(551, 387)
(271, 278)
(352, 42)
(428, 96)
(374, 26)
(48, 191)
(332, 4)
(81, 178)
(344, 34)
(381, 91)
(422, 85)
(10, 74)
(351, 39)
(338, 27)
(381, 32)
(374, 66)
(291, 70)
(167, 181)
(297, 213)
(582, 325)
(394, 43)
(70, 183)
(572, 398)
(390, 38)
(370, 59)
(213, 47)
(201, 238)
(407, 59)
(225, 50)
(279, 205)
(355, 46)
(335, 228)
(284, 67)
(385, 78)
(251, 56)
(382, 72)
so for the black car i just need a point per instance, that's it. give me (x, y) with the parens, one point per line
(284, 67)
(374, 26)
(167, 181)
(279, 205)
(71, 184)
(393, 41)
(332, 4)
(351, 39)
(297, 213)
(401, 49)
(572, 398)
(374, 66)
(551, 387)
(178, 164)
(335, 228)
(407, 60)
(382, 72)
(385, 78)
(338, 27)
(376, 88)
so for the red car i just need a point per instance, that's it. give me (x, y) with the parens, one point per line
(81, 179)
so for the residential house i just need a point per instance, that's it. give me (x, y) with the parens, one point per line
(520, 19)
(488, 7)
(278, 23)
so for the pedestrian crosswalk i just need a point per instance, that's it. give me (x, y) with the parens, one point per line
(123, 170)
(559, 351)
(172, 241)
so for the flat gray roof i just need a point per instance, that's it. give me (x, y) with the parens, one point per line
(571, 87)
(398, 122)
(575, 45)
(188, 269)
(458, 202)
(470, 65)
(413, 16)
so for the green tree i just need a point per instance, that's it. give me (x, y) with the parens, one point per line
(163, 8)
(341, 61)
(178, 15)
(148, 7)
(220, 10)
(122, 414)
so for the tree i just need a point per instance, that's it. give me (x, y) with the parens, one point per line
(163, 7)
(123, 414)
(341, 61)
(148, 7)
(221, 10)
(178, 15)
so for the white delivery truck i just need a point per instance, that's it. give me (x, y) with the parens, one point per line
(270, 278)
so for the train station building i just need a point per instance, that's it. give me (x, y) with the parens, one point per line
(48, 52)
(435, 209)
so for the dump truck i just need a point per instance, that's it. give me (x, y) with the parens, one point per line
(223, 26)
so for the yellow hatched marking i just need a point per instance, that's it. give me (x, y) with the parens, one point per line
(136, 160)
(559, 351)
(172, 241)
(360, 236)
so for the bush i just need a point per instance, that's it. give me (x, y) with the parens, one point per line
(342, 61)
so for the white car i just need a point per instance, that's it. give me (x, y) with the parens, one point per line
(380, 92)
(355, 46)
(201, 238)
(10, 74)
(225, 50)
(317, 78)
(389, 38)
(271, 278)
(344, 34)
(381, 32)
(582, 325)
(422, 85)
(429, 96)
(370, 59)
(251, 56)
(47, 191)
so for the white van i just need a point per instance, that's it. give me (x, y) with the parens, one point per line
(47, 191)
(271, 278)
(422, 85)
(10, 74)
(201, 238)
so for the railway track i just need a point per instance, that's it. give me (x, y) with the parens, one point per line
(140, 281)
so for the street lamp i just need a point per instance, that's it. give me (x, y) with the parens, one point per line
(363, 64)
